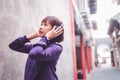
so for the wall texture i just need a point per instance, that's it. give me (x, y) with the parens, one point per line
(22, 17)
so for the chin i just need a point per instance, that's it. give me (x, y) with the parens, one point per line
(42, 35)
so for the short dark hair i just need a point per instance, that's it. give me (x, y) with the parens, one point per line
(54, 21)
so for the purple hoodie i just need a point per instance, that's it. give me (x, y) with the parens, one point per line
(42, 57)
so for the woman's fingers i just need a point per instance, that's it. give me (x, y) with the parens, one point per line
(54, 27)
(57, 30)
(60, 32)
(54, 32)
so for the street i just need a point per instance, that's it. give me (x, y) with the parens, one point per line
(105, 72)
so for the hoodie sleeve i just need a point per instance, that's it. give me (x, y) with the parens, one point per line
(20, 45)
(44, 52)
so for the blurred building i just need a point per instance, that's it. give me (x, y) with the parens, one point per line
(114, 32)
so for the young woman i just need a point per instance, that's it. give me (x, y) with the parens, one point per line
(42, 56)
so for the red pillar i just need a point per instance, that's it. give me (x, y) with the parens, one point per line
(82, 52)
(88, 58)
(90, 54)
(73, 41)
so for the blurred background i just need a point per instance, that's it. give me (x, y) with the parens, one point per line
(88, 48)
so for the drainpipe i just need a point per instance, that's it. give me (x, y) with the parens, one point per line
(73, 40)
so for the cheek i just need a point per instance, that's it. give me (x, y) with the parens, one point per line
(46, 31)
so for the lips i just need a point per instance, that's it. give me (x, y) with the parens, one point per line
(40, 32)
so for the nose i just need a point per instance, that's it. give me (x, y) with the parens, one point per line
(41, 27)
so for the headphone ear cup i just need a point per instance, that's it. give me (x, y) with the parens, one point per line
(56, 27)
(62, 25)
(59, 26)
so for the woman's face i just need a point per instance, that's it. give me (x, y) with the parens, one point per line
(44, 28)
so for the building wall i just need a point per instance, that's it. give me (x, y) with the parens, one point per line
(22, 17)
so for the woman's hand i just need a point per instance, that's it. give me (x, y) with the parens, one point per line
(34, 35)
(54, 32)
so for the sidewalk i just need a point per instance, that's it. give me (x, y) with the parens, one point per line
(105, 73)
